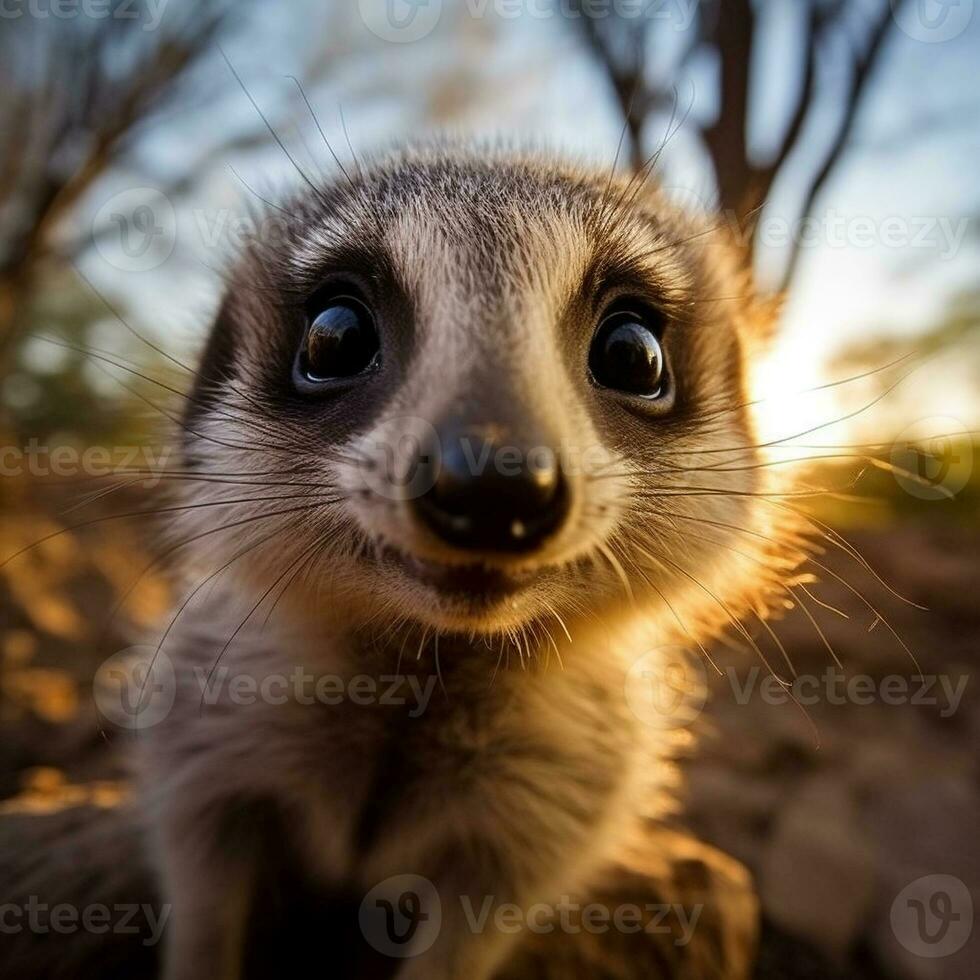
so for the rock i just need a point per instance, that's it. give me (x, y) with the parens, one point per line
(709, 931)
(817, 875)
(932, 864)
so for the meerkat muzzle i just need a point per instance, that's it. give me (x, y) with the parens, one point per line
(493, 494)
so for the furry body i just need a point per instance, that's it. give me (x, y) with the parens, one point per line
(529, 774)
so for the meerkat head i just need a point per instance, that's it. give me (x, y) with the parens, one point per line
(472, 391)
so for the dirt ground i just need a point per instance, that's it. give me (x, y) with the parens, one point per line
(838, 807)
(838, 813)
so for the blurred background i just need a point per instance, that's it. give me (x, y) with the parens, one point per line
(837, 141)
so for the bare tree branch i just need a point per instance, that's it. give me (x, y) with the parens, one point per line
(625, 75)
(731, 28)
(727, 139)
(863, 69)
(817, 20)
(78, 111)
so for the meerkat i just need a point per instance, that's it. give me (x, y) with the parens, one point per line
(477, 424)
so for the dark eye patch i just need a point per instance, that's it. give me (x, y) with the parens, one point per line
(341, 341)
(626, 355)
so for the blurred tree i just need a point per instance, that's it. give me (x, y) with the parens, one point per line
(957, 331)
(59, 389)
(75, 92)
(841, 44)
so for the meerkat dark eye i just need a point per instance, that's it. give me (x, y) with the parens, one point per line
(627, 356)
(340, 342)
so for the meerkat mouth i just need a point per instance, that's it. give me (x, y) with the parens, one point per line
(475, 582)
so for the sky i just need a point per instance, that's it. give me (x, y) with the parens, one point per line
(897, 238)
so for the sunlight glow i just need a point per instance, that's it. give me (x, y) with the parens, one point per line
(790, 412)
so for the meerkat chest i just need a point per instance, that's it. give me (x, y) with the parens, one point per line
(386, 766)
(527, 759)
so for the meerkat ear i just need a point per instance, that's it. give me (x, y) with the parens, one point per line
(213, 369)
(755, 311)
(758, 321)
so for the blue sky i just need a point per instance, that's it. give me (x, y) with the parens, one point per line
(897, 240)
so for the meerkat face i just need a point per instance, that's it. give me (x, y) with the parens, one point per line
(472, 393)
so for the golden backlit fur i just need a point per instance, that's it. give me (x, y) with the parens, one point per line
(528, 774)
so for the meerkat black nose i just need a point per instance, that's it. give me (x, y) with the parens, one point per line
(488, 495)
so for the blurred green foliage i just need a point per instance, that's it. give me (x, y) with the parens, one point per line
(63, 385)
